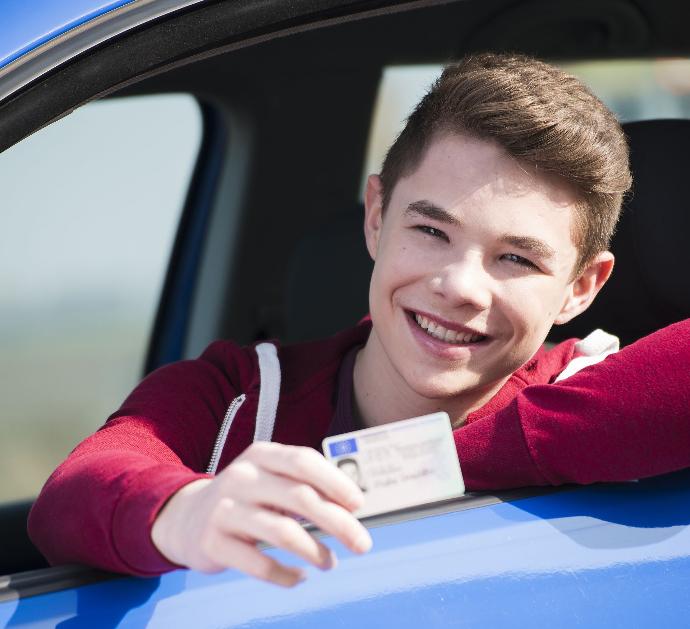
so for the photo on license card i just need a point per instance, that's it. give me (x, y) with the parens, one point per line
(400, 465)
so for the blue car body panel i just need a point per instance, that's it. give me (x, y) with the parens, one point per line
(26, 24)
(601, 556)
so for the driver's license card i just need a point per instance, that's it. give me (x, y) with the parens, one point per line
(399, 465)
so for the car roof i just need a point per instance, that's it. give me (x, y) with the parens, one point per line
(27, 24)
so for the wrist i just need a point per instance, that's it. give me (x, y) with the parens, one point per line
(167, 530)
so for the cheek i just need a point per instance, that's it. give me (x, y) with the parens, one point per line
(398, 266)
(387, 277)
(530, 305)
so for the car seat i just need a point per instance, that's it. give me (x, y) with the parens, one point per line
(650, 284)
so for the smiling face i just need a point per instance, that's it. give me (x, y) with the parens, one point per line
(473, 264)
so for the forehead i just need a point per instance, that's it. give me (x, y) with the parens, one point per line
(461, 166)
(477, 181)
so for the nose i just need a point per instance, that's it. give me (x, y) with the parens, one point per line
(464, 282)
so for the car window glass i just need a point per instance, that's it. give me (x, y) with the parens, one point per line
(89, 210)
(634, 89)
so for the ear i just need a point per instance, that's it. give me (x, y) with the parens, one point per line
(585, 287)
(373, 214)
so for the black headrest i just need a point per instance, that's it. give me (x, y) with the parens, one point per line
(650, 285)
(328, 279)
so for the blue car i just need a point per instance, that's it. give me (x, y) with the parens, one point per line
(220, 146)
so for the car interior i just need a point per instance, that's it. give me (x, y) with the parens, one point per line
(270, 241)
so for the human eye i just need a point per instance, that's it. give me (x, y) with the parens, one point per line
(432, 231)
(519, 260)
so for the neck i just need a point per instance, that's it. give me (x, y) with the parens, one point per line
(382, 395)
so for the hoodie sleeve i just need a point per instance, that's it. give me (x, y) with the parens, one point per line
(99, 505)
(624, 418)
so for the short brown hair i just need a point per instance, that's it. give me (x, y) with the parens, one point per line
(540, 115)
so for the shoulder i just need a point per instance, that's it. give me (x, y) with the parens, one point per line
(236, 363)
(567, 358)
(191, 387)
(303, 365)
(548, 363)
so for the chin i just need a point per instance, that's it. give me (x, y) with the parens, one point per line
(439, 387)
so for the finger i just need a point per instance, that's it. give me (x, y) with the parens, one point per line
(307, 465)
(282, 532)
(290, 496)
(245, 557)
(333, 520)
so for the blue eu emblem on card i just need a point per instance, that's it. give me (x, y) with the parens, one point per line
(340, 448)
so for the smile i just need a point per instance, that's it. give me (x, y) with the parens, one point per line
(438, 331)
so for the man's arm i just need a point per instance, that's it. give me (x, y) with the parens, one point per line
(627, 417)
(98, 506)
(141, 474)
(215, 524)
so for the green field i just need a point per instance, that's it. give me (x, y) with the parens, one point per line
(58, 383)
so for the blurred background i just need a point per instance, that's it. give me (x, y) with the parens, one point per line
(88, 215)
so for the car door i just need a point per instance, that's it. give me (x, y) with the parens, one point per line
(609, 555)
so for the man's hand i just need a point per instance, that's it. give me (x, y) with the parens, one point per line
(213, 524)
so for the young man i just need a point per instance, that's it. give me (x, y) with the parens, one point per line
(488, 224)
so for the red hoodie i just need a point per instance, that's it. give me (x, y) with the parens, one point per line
(624, 418)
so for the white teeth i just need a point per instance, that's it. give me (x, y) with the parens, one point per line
(449, 336)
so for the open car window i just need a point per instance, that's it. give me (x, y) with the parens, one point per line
(90, 208)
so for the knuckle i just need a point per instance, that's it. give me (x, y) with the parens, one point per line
(304, 496)
(344, 526)
(284, 533)
(262, 569)
(225, 508)
(257, 446)
(301, 459)
(259, 449)
(308, 453)
(241, 472)
(220, 513)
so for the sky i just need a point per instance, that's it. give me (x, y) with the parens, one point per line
(90, 204)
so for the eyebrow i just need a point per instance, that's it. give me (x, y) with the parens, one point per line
(527, 243)
(432, 211)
